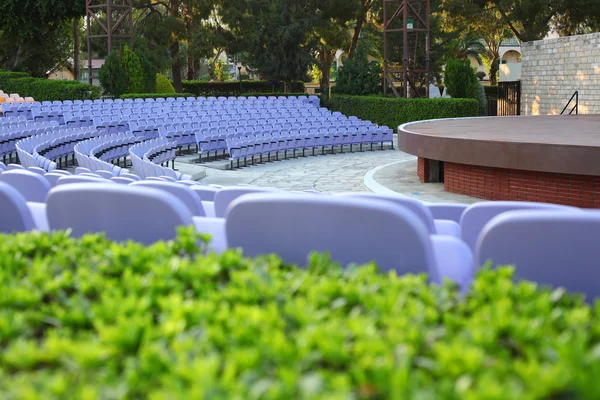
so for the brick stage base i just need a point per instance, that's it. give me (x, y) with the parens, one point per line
(511, 184)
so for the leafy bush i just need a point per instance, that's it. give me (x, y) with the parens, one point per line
(88, 318)
(222, 72)
(132, 67)
(149, 73)
(491, 92)
(112, 75)
(163, 84)
(358, 76)
(460, 80)
(393, 112)
(46, 89)
(154, 95)
(206, 88)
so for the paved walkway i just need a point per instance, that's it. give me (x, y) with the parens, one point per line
(380, 171)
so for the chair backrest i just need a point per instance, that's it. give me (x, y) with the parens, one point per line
(32, 186)
(122, 212)
(37, 170)
(104, 174)
(351, 230)
(53, 178)
(449, 211)
(81, 170)
(477, 215)
(11, 167)
(67, 180)
(225, 196)
(414, 205)
(15, 215)
(183, 193)
(130, 176)
(556, 248)
(121, 180)
(204, 192)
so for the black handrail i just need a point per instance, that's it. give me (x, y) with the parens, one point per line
(576, 107)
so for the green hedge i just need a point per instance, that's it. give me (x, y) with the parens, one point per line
(91, 319)
(46, 89)
(204, 88)
(393, 112)
(154, 95)
(165, 95)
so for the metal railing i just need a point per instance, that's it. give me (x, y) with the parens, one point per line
(575, 107)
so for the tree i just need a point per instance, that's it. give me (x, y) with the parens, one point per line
(112, 75)
(36, 36)
(364, 10)
(276, 35)
(460, 80)
(132, 68)
(163, 85)
(531, 20)
(359, 76)
(148, 72)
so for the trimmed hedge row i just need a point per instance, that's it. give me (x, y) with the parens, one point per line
(393, 112)
(154, 95)
(175, 95)
(204, 88)
(92, 319)
(46, 89)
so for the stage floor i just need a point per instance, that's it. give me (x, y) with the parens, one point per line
(558, 144)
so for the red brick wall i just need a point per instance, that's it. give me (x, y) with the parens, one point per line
(423, 170)
(510, 184)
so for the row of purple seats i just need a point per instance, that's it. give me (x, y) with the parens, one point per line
(390, 233)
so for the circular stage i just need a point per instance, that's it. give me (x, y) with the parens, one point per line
(553, 159)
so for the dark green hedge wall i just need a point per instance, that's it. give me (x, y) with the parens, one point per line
(204, 88)
(46, 89)
(393, 112)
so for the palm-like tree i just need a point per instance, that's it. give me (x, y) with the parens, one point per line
(466, 46)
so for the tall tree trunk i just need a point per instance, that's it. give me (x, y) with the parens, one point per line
(176, 68)
(76, 49)
(191, 69)
(326, 57)
(494, 67)
(357, 29)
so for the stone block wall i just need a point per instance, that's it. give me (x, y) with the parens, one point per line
(553, 69)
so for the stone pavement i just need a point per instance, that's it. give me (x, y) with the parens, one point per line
(380, 171)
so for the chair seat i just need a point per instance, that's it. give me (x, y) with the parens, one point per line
(38, 212)
(214, 227)
(454, 260)
(447, 227)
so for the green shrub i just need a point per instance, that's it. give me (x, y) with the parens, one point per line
(393, 112)
(460, 80)
(164, 85)
(358, 76)
(91, 319)
(46, 89)
(491, 92)
(112, 75)
(154, 95)
(222, 72)
(132, 67)
(149, 73)
(206, 88)
(274, 94)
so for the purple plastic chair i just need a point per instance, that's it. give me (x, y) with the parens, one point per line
(32, 186)
(130, 176)
(206, 193)
(352, 230)
(53, 178)
(15, 215)
(81, 170)
(121, 180)
(122, 212)
(435, 227)
(12, 167)
(37, 170)
(104, 174)
(183, 193)
(476, 216)
(554, 248)
(447, 211)
(225, 196)
(67, 180)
